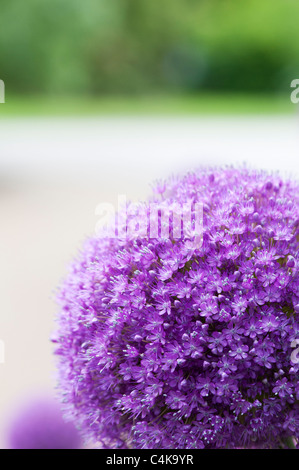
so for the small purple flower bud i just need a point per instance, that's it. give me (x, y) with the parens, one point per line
(291, 262)
(181, 361)
(138, 338)
(196, 355)
(258, 229)
(271, 233)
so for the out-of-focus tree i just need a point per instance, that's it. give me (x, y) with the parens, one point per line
(137, 46)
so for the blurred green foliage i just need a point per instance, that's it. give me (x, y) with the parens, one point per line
(145, 46)
(206, 103)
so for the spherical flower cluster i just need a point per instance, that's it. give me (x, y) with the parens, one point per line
(166, 343)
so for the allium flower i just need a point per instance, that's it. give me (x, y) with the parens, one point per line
(166, 343)
(38, 424)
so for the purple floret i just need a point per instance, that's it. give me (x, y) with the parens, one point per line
(163, 343)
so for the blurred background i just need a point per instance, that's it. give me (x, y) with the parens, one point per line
(104, 97)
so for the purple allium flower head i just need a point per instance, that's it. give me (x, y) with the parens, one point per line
(38, 424)
(163, 343)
